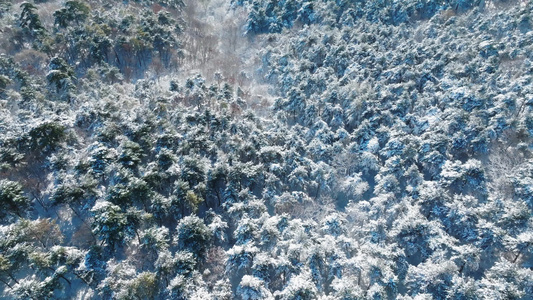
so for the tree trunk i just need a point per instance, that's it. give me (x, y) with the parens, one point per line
(6, 283)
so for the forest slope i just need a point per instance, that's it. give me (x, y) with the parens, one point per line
(141, 156)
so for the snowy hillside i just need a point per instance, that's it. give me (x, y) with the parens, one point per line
(266, 149)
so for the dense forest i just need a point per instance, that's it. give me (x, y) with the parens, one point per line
(266, 149)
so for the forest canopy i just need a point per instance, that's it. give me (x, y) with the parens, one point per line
(266, 149)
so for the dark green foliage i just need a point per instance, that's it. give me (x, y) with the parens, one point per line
(4, 82)
(193, 235)
(61, 77)
(67, 194)
(29, 20)
(110, 224)
(73, 11)
(9, 157)
(46, 137)
(131, 155)
(12, 200)
(13, 73)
